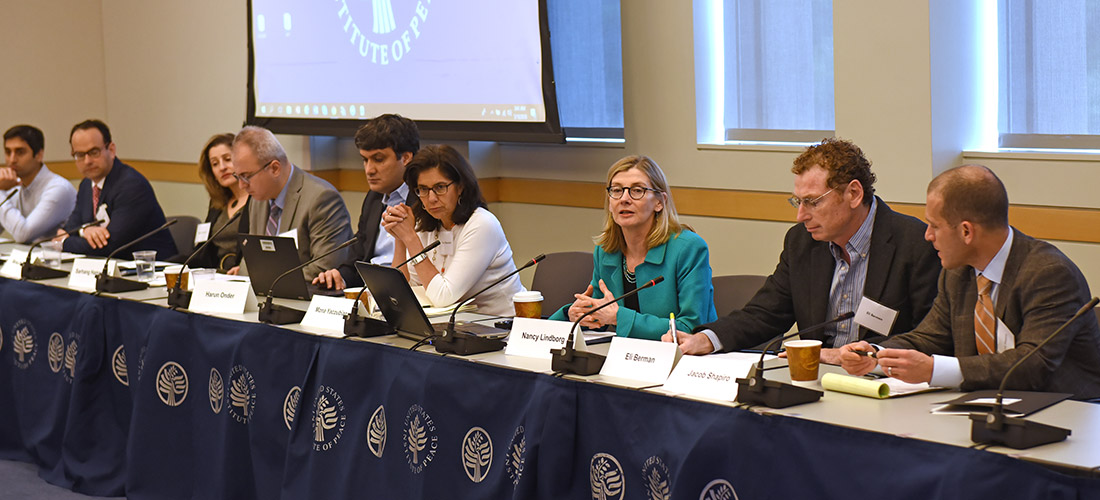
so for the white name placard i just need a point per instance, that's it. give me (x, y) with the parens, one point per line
(327, 313)
(535, 338)
(13, 268)
(219, 296)
(202, 232)
(708, 376)
(85, 270)
(639, 359)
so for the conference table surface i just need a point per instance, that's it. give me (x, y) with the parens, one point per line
(906, 417)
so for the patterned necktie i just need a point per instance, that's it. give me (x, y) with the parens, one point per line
(985, 324)
(273, 219)
(95, 199)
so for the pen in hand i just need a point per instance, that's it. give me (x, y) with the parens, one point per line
(869, 354)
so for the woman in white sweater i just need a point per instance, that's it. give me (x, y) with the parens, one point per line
(473, 251)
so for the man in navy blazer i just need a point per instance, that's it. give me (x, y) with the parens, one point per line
(386, 143)
(113, 191)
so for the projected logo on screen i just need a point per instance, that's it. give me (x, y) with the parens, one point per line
(379, 40)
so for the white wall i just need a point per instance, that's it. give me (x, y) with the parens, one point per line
(168, 75)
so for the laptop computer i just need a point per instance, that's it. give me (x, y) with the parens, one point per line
(402, 310)
(266, 257)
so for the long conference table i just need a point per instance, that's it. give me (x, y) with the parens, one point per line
(115, 395)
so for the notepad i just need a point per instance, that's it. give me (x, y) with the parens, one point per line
(879, 389)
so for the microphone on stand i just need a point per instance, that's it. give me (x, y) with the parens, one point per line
(570, 359)
(282, 315)
(177, 296)
(1014, 432)
(754, 389)
(113, 284)
(357, 326)
(463, 343)
(33, 271)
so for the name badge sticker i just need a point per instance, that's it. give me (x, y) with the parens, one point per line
(875, 317)
(327, 313)
(202, 233)
(640, 359)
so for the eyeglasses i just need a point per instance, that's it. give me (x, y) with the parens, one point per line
(94, 153)
(636, 192)
(810, 203)
(439, 189)
(247, 178)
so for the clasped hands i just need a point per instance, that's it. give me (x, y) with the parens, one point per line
(585, 303)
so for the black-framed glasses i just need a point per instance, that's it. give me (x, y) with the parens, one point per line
(94, 153)
(439, 189)
(247, 178)
(810, 203)
(636, 192)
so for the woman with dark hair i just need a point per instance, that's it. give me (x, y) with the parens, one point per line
(473, 252)
(226, 199)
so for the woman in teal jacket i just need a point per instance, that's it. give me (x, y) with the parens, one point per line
(641, 240)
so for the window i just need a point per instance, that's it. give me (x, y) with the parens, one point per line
(587, 52)
(1049, 70)
(764, 70)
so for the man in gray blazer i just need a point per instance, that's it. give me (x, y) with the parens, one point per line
(286, 198)
(1000, 294)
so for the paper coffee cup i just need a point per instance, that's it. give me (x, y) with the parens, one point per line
(803, 358)
(172, 273)
(364, 299)
(528, 304)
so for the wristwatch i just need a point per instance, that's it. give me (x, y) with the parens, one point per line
(418, 259)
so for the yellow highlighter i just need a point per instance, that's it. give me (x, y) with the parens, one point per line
(672, 326)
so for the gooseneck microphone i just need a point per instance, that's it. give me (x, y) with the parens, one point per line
(754, 389)
(177, 296)
(357, 326)
(112, 284)
(463, 343)
(1018, 433)
(281, 315)
(573, 358)
(34, 272)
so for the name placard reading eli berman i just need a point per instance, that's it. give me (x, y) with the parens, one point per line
(82, 276)
(639, 359)
(327, 313)
(535, 338)
(220, 296)
(711, 377)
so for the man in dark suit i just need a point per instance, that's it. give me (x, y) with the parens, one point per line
(1000, 294)
(287, 199)
(113, 191)
(849, 249)
(386, 143)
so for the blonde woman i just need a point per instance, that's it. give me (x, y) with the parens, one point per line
(641, 240)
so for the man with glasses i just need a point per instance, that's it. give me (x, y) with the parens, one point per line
(289, 201)
(45, 199)
(114, 192)
(849, 251)
(386, 143)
